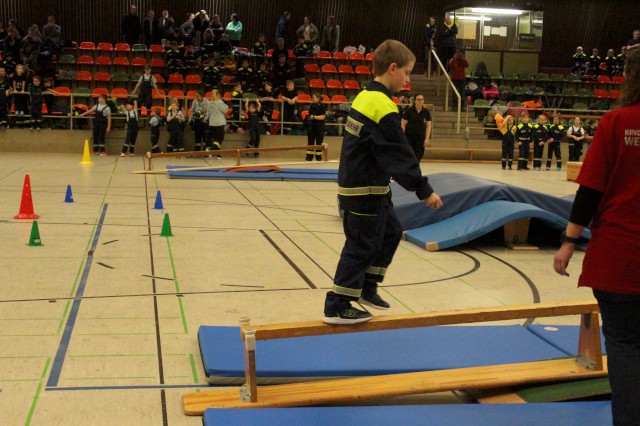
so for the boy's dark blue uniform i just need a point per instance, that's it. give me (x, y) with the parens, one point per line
(540, 134)
(374, 150)
(524, 133)
(5, 85)
(556, 132)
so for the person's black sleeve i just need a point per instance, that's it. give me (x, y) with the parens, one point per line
(585, 205)
(395, 156)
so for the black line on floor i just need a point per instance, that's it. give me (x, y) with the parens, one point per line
(534, 290)
(289, 261)
(114, 296)
(105, 265)
(109, 242)
(157, 278)
(163, 397)
(306, 254)
(476, 266)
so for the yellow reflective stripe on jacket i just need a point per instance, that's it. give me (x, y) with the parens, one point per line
(374, 105)
(364, 190)
(345, 291)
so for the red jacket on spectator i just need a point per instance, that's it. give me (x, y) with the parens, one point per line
(457, 64)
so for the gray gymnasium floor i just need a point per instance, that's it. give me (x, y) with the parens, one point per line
(110, 338)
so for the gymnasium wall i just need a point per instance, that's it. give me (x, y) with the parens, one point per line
(567, 23)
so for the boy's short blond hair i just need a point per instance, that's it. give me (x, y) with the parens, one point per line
(389, 52)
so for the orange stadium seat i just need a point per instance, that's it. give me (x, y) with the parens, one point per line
(159, 78)
(87, 45)
(156, 48)
(83, 76)
(119, 93)
(356, 56)
(338, 99)
(193, 79)
(84, 60)
(62, 91)
(103, 60)
(157, 63)
(618, 79)
(102, 76)
(339, 56)
(351, 85)
(334, 84)
(316, 83)
(175, 79)
(324, 55)
(138, 62)
(329, 69)
(121, 61)
(303, 98)
(614, 94)
(99, 91)
(363, 70)
(191, 95)
(177, 93)
(105, 47)
(345, 69)
(122, 47)
(158, 94)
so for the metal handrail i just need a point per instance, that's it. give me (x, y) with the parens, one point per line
(446, 96)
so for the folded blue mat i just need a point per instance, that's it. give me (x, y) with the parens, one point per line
(562, 337)
(369, 353)
(478, 221)
(298, 174)
(559, 413)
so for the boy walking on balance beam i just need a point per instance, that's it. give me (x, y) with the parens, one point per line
(374, 150)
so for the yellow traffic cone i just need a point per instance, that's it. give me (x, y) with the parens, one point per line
(86, 156)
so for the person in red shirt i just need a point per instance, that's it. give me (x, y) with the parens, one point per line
(609, 198)
(457, 65)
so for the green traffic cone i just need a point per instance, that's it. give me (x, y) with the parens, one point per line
(166, 227)
(34, 239)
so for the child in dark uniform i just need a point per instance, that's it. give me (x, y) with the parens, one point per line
(5, 90)
(146, 84)
(20, 94)
(154, 125)
(131, 112)
(175, 121)
(301, 51)
(252, 112)
(37, 92)
(289, 98)
(315, 129)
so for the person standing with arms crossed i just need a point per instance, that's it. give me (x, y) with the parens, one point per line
(416, 125)
(609, 198)
(374, 150)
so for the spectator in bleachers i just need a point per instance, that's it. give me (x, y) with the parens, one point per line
(225, 47)
(578, 61)
(330, 36)
(131, 27)
(216, 27)
(279, 50)
(457, 65)
(165, 25)
(187, 29)
(259, 49)
(301, 51)
(621, 57)
(282, 29)
(3, 34)
(208, 45)
(252, 112)
(211, 75)
(594, 62)
(590, 133)
(176, 36)
(52, 35)
(30, 50)
(429, 39)
(12, 45)
(281, 72)
(5, 89)
(267, 96)
(234, 30)
(635, 40)
(245, 75)
(262, 75)
(416, 124)
(611, 62)
(201, 23)
(146, 83)
(175, 58)
(447, 39)
(13, 24)
(150, 29)
(309, 31)
(576, 135)
(9, 64)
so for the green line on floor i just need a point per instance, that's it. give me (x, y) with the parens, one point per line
(318, 238)
(175, 280)
(115, 334)
(118, 319)
(37, 395)
(27, 335)
(193, 368)
(23, 357)
(109, 378)
(109, 355)
(21, 380)
(28, 319)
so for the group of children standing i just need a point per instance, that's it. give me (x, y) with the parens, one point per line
(523, 134)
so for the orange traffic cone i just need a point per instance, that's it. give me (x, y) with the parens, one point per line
(26, 206)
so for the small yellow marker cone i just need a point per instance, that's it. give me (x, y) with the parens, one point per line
(86, 156)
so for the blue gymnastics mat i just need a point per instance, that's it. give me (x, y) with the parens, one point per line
(368, 353)
(322, 175)
(562, 337)
(461, 192)
(596, 413)
(478, 221)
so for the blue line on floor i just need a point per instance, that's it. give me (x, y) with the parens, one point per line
(83, 388)
(56, 369)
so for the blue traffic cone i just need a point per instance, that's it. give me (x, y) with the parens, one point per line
(158, 205)
(69, 197)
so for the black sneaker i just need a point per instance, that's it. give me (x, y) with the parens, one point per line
(348, 315)
(374, 301)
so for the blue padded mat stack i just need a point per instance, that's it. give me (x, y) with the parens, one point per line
(562, 337)
(560, 413)
(462, 192)
(323, 175)
(477, 221)
(369, 353)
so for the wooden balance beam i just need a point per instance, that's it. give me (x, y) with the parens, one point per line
(588, 364)
(238, 153)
